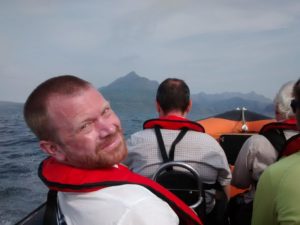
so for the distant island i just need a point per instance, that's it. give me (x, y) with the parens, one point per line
(132, 95)
(135, 94)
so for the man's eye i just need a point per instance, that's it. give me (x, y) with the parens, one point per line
(106, 110)
(85, 126)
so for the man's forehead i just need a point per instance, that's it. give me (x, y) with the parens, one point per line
(91, 98)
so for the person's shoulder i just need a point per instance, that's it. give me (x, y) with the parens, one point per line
(201, 134)
(201, 137)
(130, 193)
(287, 162)
(205, 141)
(284, 167)
(282, 177)
(257, 141)
(142, 133)
(141, 137)
(257, 137)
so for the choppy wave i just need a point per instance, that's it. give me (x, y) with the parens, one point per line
(20, 189)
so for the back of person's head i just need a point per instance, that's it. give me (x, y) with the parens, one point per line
(296, 90)
(35, 108)
(173, 94)
(282, 101)
(296, 95)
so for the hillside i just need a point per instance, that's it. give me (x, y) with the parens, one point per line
(131, 93)
(8, 107)
(135, 94)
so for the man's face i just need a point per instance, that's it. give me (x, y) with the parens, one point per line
(89, 132)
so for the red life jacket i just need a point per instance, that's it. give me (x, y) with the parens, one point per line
(290, 124)
(173, 123)
(274, 132)
(291, 146)
(61, 177)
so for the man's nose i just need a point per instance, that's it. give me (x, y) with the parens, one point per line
(105, 128)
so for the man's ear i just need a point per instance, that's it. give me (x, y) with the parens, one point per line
(189, 108)
(52, 149)
(158, 108)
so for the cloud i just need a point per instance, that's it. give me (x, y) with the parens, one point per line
(205, 17)
(102, 40)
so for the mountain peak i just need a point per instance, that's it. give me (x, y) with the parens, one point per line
(132, 74)
(132, 81)
(131, 92)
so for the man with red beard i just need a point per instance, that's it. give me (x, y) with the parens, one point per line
(76, 126)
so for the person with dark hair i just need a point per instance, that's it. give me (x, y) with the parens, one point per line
(199, 150)
(83, 137)
(278, 194)
(258, 152)
(173, 94)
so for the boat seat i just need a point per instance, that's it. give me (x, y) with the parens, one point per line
(185, 182)
(232, 144)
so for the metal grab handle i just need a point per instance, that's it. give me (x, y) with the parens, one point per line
(244, 125)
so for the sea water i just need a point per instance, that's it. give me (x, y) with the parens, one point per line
(21, 191)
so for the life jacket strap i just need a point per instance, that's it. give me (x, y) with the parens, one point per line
(53, 214)
(51, 209)
(165, 156)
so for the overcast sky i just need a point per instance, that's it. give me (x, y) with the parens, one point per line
(216, 46)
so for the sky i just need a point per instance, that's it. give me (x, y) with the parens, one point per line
(215, 46)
